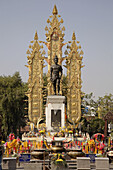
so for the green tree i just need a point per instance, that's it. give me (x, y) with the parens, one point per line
(12, 103)
(96, 125)
(84, 124)
(92, 126)
(105, 104)
(90, 121)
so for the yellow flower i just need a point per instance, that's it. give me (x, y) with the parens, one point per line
(41, 131)
(59, 160)
(55, 154)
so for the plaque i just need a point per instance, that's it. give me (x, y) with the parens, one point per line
(56, 118)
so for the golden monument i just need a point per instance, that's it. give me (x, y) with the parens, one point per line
(36, 57)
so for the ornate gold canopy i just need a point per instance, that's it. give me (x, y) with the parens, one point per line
(36, 57)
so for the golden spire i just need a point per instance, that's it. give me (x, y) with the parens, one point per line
(36, 36)
(55, 11)
(73, 36)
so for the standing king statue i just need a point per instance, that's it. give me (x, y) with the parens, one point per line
(55, 75)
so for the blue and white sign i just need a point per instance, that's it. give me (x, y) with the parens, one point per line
(25, 157)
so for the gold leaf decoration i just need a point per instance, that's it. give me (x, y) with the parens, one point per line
(68, 46)
(28, 52)
(66, 52)
(41, 46)
(43, 52)
(46, 28)
(48, 21)
(31, 41)
(61, 21)
(81, 52)
(78, 42)
(79, 46)
(63, 28)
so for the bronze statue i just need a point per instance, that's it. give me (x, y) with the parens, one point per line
(55, 76)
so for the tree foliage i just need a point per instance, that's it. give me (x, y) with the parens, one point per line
(12, 104)
(96, 126)
(92, 126)
(99, 108)
(105, 104)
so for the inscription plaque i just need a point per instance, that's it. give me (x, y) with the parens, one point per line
(56, 118)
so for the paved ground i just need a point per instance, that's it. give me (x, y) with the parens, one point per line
(21, 167)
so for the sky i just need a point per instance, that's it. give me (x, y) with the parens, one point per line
(92, 21)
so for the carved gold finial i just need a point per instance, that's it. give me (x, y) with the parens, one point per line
(36, 36)
(73, 36)
(55, 11)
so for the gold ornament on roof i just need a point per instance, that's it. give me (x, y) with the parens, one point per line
(73, 36)
(55, 11)
(36, 36)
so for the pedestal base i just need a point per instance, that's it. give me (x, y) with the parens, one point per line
(55, 112)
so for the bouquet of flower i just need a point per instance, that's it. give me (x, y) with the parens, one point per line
(59, 159)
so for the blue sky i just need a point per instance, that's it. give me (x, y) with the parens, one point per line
(92, 21)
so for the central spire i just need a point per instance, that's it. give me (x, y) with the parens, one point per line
(55, 11)
(36, 36)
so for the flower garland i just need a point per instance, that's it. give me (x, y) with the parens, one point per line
(11, 136)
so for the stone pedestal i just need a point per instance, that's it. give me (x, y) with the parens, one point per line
(55, 112)
(102, 163)
(58, 167)
(83, 163)
(32, 166)
(9, 163)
